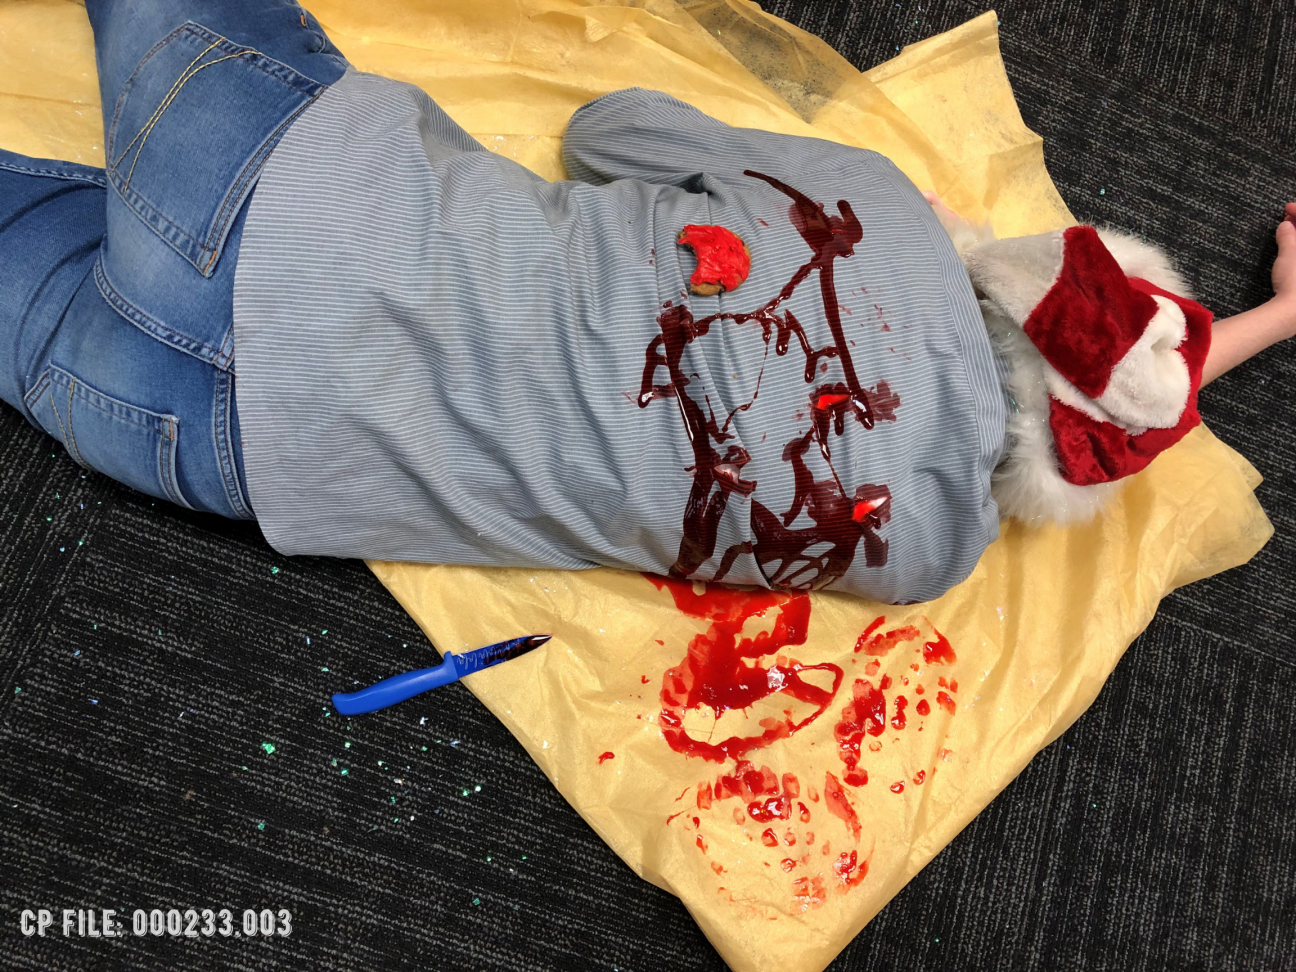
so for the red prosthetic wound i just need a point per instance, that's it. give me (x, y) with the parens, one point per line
(723, 260)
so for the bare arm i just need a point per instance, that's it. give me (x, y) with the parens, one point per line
(1237, 338)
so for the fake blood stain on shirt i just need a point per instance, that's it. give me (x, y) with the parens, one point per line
(791, 558)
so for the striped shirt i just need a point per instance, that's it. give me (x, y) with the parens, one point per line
(444, 358)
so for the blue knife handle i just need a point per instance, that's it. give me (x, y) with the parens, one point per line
(398, 688)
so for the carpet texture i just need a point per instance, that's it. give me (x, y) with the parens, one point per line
(151, 659)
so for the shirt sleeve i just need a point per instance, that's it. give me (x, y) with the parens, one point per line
(650, 136)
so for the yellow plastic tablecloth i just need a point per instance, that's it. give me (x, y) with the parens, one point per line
(1035, 630)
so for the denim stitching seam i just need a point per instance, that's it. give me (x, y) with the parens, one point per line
(58, 418)
(165, 103)
(68, 435)
(90, 178)
(111, 141)
(166, 461)
(110, 406)
(152, 216)
(154, 327)
(163, 426)
(37, 390)
(224, 454)
(160, 471)
(288, 76)
(206, 250)
(204, 33)
(252, 170)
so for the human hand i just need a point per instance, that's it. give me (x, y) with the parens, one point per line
(964, 234)
(946, 215)
(1237, 338)
(1284, 268)
(1284, 274)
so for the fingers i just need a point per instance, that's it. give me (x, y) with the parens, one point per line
(943, 212)
(1286, 232)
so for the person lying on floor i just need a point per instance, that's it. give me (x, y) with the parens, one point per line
(715, 352)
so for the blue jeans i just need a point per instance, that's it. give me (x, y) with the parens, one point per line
(117, 284)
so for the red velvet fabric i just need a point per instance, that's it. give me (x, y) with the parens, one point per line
(1091, 316)
(1091, 452)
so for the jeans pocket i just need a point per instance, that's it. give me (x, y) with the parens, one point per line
(129, 444)
(191, 130)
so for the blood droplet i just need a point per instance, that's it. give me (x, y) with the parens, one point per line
(849, 869)
(840, 806)
(767, 810)
(808, 893)
(865, 713)
(898, 720)
(879, 643)
(940, 651)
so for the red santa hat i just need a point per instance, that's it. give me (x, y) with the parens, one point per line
(1114, 344)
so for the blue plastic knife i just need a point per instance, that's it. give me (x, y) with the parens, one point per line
(398, 688)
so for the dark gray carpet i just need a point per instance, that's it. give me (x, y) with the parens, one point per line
(147, 654)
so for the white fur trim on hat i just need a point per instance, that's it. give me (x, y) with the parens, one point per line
(1139, 259)
(1027, 484)
(1016, 273)
(1149, 386)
